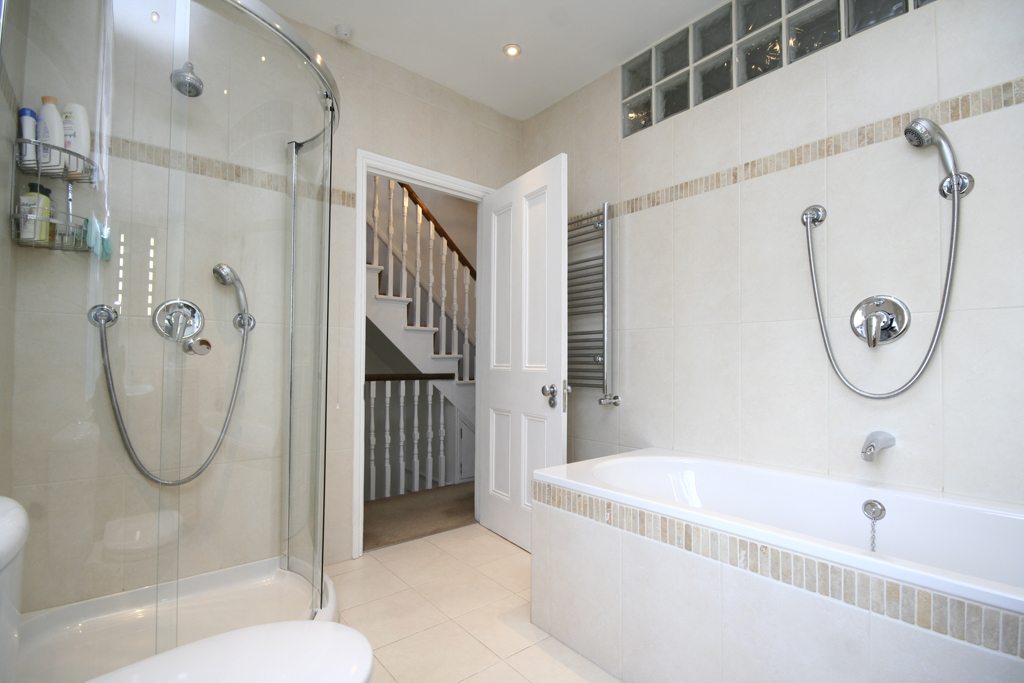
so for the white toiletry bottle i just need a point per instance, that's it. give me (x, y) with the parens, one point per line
(76, 135)
(28, 131)
(50, 131)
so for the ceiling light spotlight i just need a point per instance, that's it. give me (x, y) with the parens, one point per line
(154, 17)
(512, 49)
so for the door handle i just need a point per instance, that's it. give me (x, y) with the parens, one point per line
(551, 391)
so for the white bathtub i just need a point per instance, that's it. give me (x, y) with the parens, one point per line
(948, 569)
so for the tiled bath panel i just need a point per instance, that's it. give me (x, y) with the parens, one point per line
(726, 608)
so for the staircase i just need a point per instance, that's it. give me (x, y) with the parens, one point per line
(420, 291)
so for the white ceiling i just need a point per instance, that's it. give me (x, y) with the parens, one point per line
(458, 43)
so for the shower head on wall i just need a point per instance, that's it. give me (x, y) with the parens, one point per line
(924, 132)
(226, 275)
(186, 82)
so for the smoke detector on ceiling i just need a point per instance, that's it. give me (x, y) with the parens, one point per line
(344, 32)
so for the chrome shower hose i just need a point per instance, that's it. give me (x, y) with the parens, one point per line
(124, 431)
(807, 220)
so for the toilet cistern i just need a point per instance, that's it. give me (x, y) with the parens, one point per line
(875, 442)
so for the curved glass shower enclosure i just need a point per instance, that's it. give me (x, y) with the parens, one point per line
(208, 165)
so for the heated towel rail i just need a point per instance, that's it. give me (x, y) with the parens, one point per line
(589, 295)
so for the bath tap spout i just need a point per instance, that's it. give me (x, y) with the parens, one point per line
(875, 442)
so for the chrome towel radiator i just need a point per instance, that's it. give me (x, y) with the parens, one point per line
(589, 295)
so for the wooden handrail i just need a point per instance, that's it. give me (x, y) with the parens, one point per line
(410, 376)
(440, 231)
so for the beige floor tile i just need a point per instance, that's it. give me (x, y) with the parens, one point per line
(549, 661)
(499, 673)
(364, 585)
(512, 572)
(462, 592)
(442, 654)
(381, 674)
(503, 626)
(400, 549)
(482, 549)
(393, 617)
(350, 565)
(425, 566)
(527, 594)
(460, 534)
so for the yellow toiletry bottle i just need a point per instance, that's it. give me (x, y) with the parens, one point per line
(37, 203)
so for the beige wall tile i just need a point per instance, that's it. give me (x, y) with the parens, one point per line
(706, 138)
(585, 606)
(770, 123)
(660, 584)
(645, 375)
(706, 258)
(643, 269)
(978, 44)
(706, 393)
(792, 631)
(645, 161)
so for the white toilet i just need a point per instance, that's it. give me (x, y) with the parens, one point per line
(13, 532)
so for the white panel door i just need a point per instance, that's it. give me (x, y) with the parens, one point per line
(521, 343)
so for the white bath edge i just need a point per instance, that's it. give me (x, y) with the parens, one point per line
(988, 618)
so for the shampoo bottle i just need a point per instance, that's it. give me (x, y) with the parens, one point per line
(37, 203)
(28, 131)
(76, 135)
(50, 131)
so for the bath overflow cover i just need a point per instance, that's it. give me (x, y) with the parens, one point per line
(873, 510)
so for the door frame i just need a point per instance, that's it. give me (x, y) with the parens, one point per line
(367, 163)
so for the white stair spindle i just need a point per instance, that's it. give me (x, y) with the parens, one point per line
(401, 437)
(416, 289)
(430, 435)
(387, 439)
(430, 274)
(416, 435)
(376, 221)
(465, 328)
(404, 284)
(373, 442)
(441, 322)
(440, 435)
(455, 303)
(391, 239)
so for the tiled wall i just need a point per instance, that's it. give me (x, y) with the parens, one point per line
(388, 110)
(752, 611)
(717, 343)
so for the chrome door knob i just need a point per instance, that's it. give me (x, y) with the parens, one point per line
(551, 391)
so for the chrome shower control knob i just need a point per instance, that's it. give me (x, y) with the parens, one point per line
(178, 320)
(880, 319)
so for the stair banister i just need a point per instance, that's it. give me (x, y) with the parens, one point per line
(442, 322)
(404, 282)
(391, 237)
(430, 435)
(416, 289)
(401, 438)
(387, 439)
(416, 435)
(373, 442)
(376, 222)
(465, 327)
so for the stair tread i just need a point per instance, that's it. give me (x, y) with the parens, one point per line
(394, 299)
(414, 328)
(378, 269)
(447, 356)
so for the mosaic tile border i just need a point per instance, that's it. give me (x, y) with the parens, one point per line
(209, 167)
(948, 615)
(965, 106)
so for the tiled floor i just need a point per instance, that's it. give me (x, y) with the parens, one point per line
(452, 607)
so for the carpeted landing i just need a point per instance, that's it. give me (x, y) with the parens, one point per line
(414, 515)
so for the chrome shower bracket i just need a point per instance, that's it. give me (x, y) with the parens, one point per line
(815, 215)
(880, 319)
(178, 320)
(250, 322)
(102, 314)
(964, 183)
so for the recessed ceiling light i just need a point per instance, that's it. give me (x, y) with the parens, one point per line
(155, 17)
(512, 49)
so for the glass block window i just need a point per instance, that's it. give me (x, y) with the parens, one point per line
(672, 55)
(794, 5)
(713, 77)
(636, 75)
(862, 14)
(814, 28)
(712, 33)
(759, 54)
(752, 15)
(636, 114)
(673, 96)
(921, 3)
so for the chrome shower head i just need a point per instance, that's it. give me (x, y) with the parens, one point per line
(924, 132)
(226, 275)
(186, 82)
